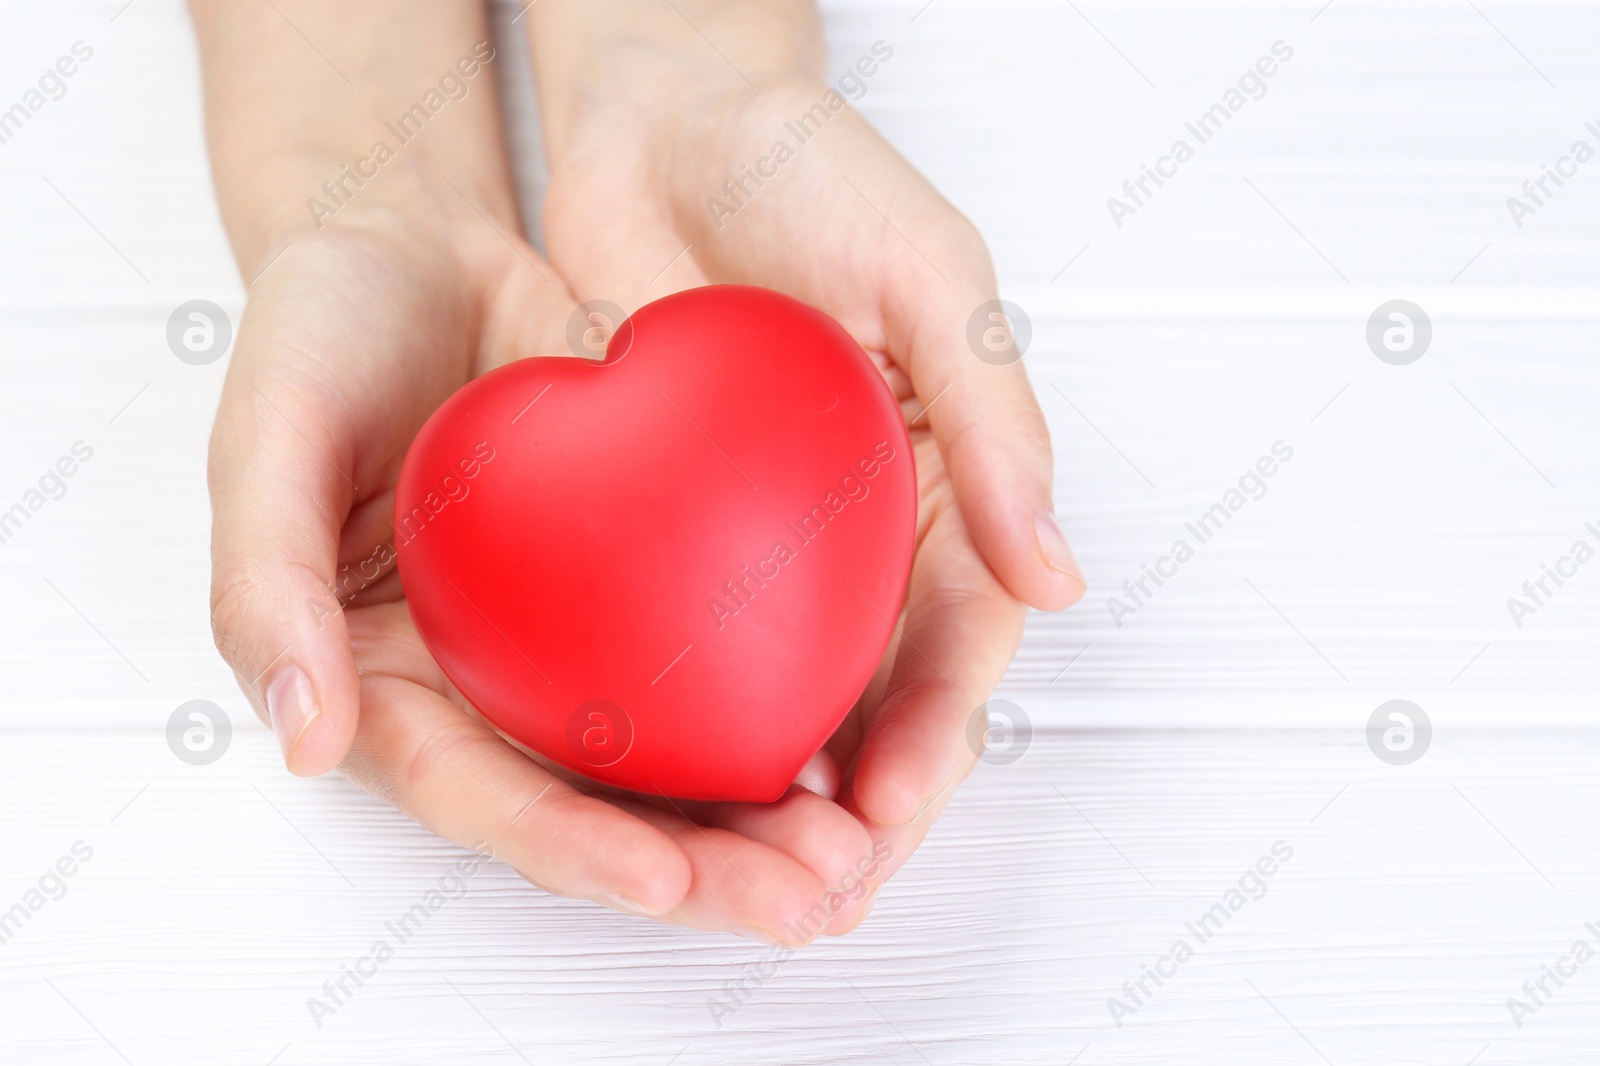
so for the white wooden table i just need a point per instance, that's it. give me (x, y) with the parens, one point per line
(1225, 715)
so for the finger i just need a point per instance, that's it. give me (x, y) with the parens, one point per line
(984, 415)
(366, 548)
(817, 833)
(820, 774)
(435, 761)
(280, 482)
(453, 774)
(960, 632)
(892, 848)
(740, 885)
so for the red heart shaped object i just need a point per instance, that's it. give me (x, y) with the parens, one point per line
(674, 570)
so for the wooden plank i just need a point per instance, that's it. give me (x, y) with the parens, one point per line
(1416, 901)
(1227, 313)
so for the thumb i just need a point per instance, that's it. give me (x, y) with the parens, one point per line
(280, 487)
(989, 428)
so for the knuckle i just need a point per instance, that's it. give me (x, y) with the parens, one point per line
(966, 240)
(250, 607)
(435, 756)
(912, 694)
(1032, 432)
(964, 609)
(1019, 439)
(234, 594)
(843, 858)
(961, 440)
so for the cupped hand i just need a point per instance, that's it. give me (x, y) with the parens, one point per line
(352, 337)
(667, 173)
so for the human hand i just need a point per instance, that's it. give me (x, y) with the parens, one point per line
(656, 116)
(356, 330)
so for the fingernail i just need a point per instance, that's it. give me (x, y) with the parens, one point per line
(291, 706)
(1054, 547)
(626, 904)
(756, 934)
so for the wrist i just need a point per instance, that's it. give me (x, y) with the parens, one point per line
(605, 64)
(328, 194)
(390, 110)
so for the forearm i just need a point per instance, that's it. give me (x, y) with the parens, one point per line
(312, 109)
(583, 49)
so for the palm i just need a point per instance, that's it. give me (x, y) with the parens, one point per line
(354, 338)
(815, 231)
(358, 332)
(843, 225)
(352, 346)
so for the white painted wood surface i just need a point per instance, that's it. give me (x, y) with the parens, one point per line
(1227, 314)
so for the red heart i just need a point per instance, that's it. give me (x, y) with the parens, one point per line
(676, 570)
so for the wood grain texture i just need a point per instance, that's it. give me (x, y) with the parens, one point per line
(1226, 314)
(1415, 902)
